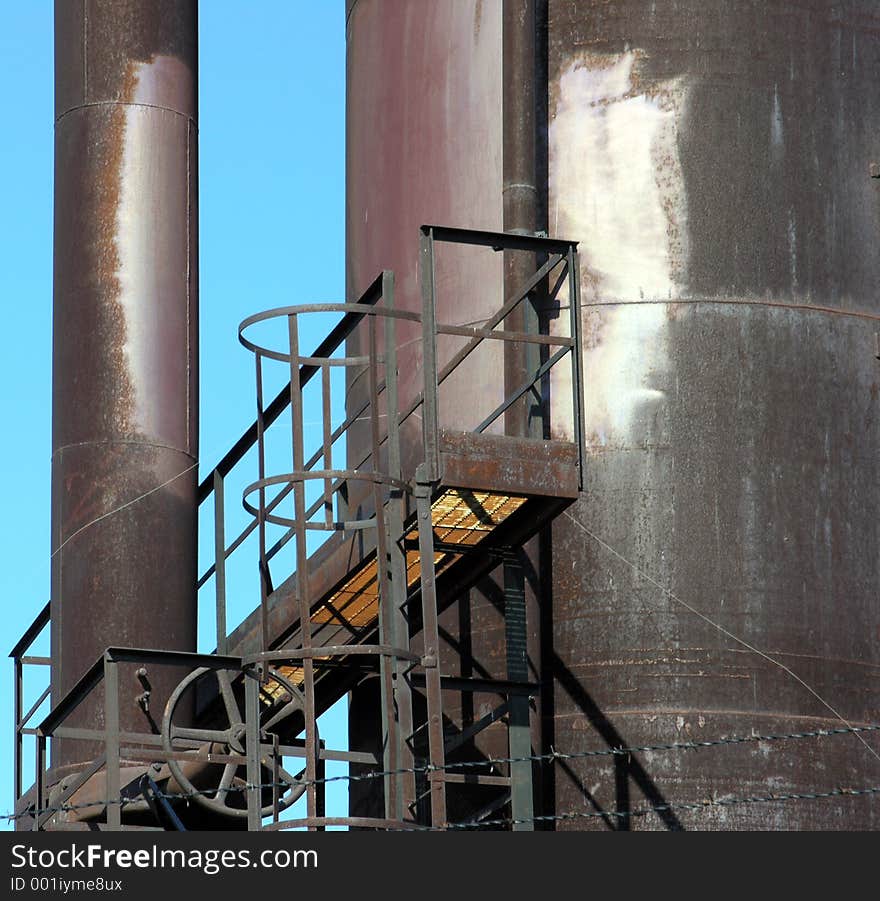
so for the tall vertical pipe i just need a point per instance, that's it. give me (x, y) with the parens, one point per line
(125, 424)
(519, 189)
(520, 576)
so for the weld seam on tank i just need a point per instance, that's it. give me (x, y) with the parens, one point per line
(99, 103)
(727, 301)
(108, 441)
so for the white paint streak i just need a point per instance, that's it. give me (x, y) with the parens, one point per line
(777, 135)
(141, 239)
(792, 250)
(617, 186)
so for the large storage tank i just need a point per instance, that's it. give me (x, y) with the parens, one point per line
(714, 160)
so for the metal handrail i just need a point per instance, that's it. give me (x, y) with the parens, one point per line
(20, 720)
(213, 483)
(559, 253)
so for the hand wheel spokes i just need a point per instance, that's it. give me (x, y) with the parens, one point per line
(227, 798)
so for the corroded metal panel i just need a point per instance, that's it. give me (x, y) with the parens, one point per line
(424, 146)
(713, 160)
(718, 575)
(125, 426)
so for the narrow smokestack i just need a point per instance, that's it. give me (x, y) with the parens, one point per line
(125, 421)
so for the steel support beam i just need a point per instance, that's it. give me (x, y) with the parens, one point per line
(431, 660)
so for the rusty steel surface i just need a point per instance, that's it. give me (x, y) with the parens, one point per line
(519, 194)
(714, 161)
(423, 123)
(512, 465)
(423, 145)
(707, 154)
(125, 342)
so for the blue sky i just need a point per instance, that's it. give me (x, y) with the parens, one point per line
(272, 151)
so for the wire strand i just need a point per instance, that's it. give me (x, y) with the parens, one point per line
(663, 808)
(115, 510)
(721, 629)
(705, 804)
(428, 768)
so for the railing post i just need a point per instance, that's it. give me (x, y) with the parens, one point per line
(430, 423)
(327, 446)
(398, 627)
(252, 748)
(17, 747)
(39, 776)
(111, 742)
(261, 518)
(302, 559)
(388, 722)
(220, 560)
(431, 658)
(577, 388)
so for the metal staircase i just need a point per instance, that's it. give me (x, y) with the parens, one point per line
(417, 513)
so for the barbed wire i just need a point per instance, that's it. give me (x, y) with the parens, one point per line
(674, 746)
(673, 806)
(426, 769)
(638, 812)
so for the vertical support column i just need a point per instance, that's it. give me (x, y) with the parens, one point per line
(574, 298)
(18, 676)
(302, 562)
(390, 759)
(430, 422)
(431, 659)
(111, 742)
(396, 515)
(529, 416)
(252, 747)
(519, 737)
(261, 518)
(220, 560)
(39, 779)
(327, 446)
(519, 199)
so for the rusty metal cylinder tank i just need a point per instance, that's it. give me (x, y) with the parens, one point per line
(718, 576)
(714, 160)
(125, 424)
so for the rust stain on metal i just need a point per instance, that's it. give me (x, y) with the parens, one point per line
(124, 317)
(112, 326)
(730, 426)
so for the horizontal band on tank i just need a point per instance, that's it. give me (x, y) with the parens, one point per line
(95, 103)
(819, 722)
(105, 442)
(731, 301)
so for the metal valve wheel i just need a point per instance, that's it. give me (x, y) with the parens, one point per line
(229, 798)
